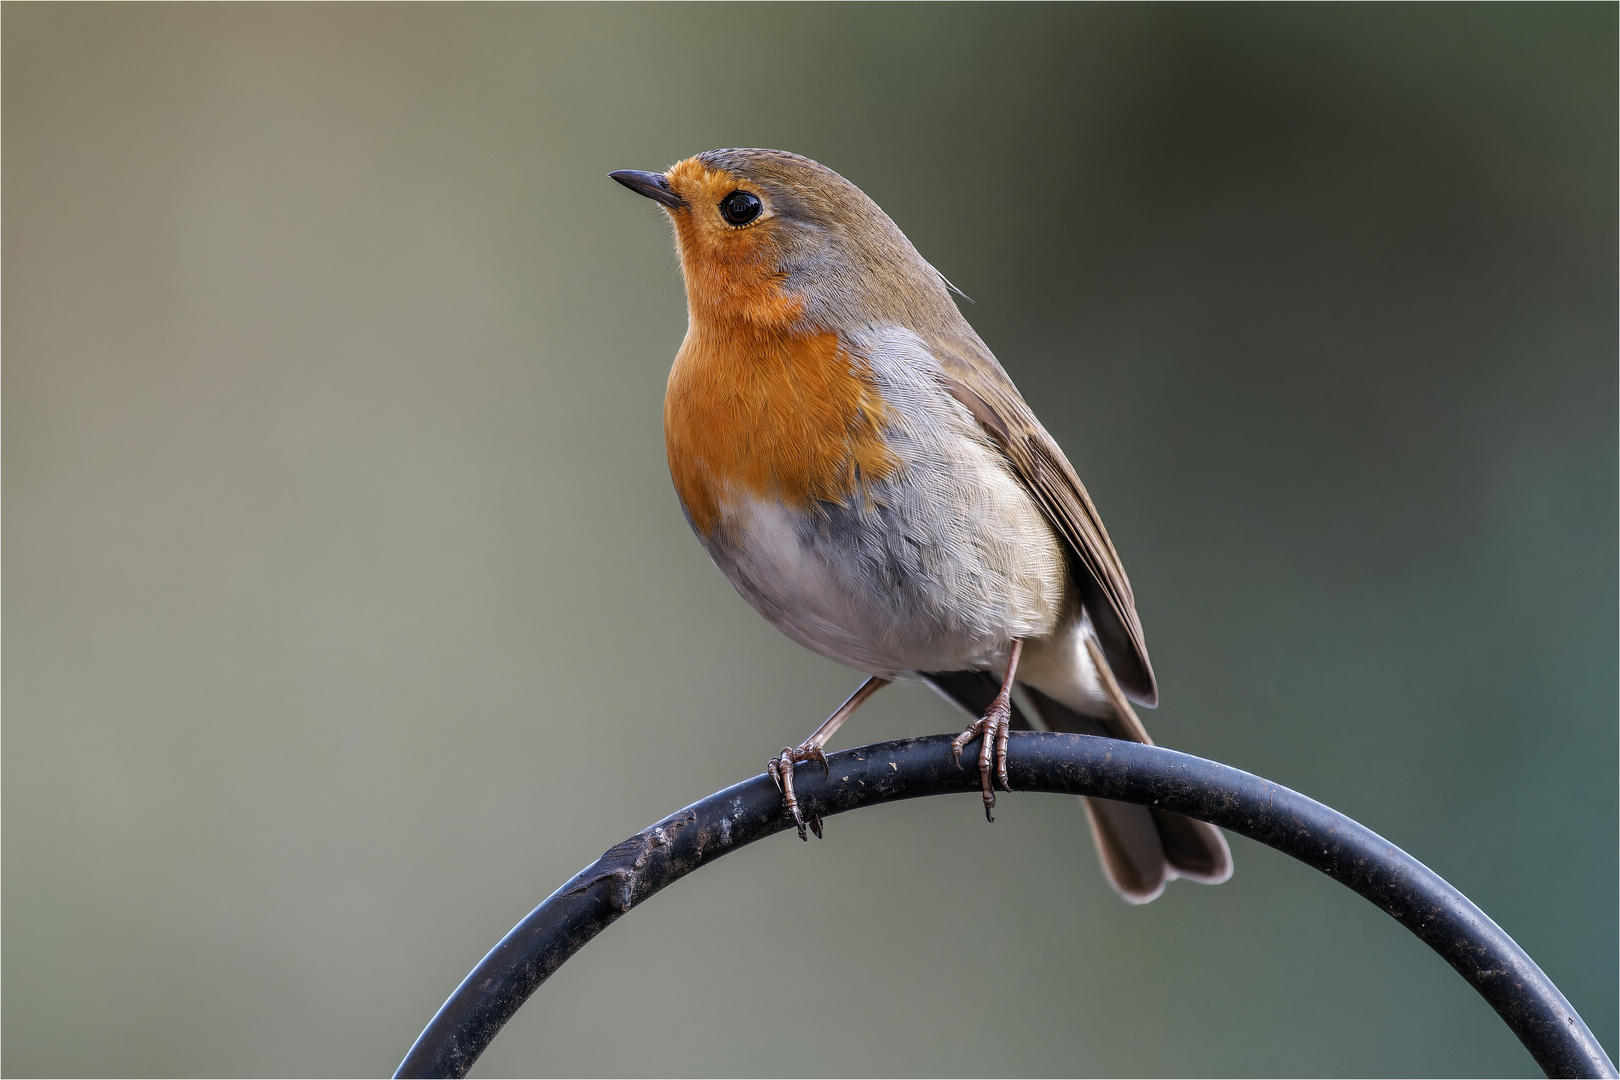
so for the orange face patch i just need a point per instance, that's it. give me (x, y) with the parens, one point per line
(758, 403)
(728, 269)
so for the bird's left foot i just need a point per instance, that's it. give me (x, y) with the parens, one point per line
(781, 770)
(993, 728)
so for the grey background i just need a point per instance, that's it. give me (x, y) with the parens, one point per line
(348, 608)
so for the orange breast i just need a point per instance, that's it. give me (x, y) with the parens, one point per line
(754, 408)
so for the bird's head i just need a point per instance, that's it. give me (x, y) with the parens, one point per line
(770, 237)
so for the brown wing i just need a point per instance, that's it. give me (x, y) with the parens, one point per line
(975, 379)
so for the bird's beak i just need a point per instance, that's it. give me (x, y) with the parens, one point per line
(651, 184)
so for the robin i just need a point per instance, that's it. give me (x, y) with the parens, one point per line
(857, 463)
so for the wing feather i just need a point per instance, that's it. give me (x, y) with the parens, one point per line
(974, 378)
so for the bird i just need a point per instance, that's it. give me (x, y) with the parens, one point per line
(856, 461)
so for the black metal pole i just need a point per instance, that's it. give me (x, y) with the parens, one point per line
(1314, 834)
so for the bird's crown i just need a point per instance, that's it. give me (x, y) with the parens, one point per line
(769, 236)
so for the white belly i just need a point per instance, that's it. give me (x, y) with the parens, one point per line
(938, 567)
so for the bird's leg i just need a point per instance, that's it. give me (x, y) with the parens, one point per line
(994, 726)
(781, 768)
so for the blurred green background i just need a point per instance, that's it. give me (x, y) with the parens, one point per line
(349, 610)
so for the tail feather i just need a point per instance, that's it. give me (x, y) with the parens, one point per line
(1196, 849)
(1141, 848)
(1129, 849)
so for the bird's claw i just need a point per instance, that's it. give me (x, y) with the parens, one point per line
(994, 728)
(781, 770)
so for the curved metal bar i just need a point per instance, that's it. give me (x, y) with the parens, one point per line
(1314, 834)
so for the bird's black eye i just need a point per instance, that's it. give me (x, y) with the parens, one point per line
(740, 208)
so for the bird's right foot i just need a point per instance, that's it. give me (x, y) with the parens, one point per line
(781, 768)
